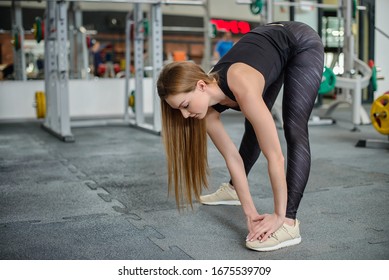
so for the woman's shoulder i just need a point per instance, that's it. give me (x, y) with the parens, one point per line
(241, 77)
(242, 71)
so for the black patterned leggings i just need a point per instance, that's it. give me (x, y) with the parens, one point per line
(301, 81)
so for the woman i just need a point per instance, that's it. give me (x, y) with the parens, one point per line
(248, 78)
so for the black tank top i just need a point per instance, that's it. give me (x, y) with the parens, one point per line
(266, 48)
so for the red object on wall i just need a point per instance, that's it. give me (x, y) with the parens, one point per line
(234, 26)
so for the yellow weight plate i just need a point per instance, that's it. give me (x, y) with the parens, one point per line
(35, 28)
(40, 100)
(131, 101)
(379, 114)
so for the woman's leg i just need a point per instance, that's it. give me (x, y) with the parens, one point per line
(302, 80)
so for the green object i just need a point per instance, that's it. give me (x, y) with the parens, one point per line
(373, 78)
(146, 27)
(256, 6)
(328, 81)
(17, 40)
(38, 29)
(214, 30)
(355, 4)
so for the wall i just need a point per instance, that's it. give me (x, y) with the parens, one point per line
(87, 98)
(382, 45)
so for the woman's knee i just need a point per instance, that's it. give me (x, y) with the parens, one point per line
(295, 134)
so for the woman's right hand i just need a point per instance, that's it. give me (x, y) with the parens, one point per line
(269, 224)
(262, 226)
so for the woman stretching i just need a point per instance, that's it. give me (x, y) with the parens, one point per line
(248, 78)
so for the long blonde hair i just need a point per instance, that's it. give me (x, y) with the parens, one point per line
(185, 140)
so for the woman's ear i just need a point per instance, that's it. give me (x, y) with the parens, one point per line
(201, 85)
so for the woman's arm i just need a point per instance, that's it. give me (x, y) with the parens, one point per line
(247, 85)
(234, 162)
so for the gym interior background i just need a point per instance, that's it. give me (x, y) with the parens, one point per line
(103, 23)
(81, 163)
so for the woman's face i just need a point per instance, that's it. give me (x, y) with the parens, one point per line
(192, 104)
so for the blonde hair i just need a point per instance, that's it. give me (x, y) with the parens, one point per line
(185, 140)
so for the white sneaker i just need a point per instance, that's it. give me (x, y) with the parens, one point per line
(285, 236)
(225, 195)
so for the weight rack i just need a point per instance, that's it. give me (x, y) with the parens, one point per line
(57, 121)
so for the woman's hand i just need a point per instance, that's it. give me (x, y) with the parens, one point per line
(253, 223)
(262, 226)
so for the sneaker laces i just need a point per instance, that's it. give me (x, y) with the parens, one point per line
(223, 187)
(274, 234)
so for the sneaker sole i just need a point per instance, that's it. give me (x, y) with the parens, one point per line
(284, 244)
(232, 202)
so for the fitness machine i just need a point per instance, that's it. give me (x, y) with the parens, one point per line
(57, 120)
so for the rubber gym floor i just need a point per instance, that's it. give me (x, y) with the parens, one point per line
(105, 197)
